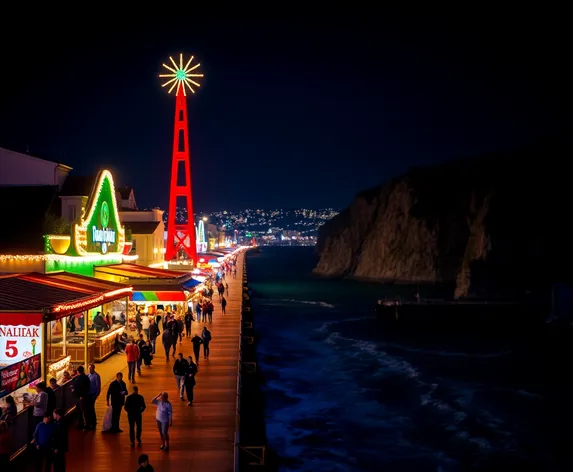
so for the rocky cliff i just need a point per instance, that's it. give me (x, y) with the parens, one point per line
(494, 225)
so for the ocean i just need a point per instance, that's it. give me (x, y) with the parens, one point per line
(343, 395)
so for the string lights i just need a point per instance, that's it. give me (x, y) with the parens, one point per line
(81, 230)
(63, 258)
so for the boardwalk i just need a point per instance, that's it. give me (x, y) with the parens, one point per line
(202, 435)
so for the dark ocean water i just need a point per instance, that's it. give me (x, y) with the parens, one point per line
(343, 395)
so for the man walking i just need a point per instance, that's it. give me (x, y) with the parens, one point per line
(43, 438)
(140, 344)
(188, 320)
(59, 441)
(166, 339)
(223, 304)
(197, 341)
(206, 337)
(116, 396)
(180, 371)
(132, 353)
(94, 393)
(81, 388)
(153, 334)
(134, 406)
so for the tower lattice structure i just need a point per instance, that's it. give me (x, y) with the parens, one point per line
(181, 235)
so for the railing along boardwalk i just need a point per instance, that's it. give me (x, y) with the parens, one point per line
(202, 437)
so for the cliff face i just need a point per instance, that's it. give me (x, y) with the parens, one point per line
(490, 226)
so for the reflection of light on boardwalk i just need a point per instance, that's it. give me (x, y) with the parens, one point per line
(202, 435)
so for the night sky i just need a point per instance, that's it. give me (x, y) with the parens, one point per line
(292, 112)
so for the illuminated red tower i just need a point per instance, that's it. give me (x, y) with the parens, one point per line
(181, 235)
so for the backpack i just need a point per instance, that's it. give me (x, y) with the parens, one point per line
(208, 335)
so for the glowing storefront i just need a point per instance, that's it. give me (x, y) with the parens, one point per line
(52, 296)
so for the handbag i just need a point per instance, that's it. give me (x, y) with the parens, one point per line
(106, 426)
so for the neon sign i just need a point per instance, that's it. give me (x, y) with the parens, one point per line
(100, 231)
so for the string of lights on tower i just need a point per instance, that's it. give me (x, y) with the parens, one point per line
(181, 77)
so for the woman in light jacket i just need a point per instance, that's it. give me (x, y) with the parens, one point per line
(164, 417)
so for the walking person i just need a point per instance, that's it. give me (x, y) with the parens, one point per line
(116, 393)
(197, 341)
(43, 440)
(132, 354)
(145, 325)
(59, 441)
(153, 334)
(134, 406)
(164, 418)
(81, 389)
(198, 311)
(166, 339)
(206, 337)
(147, 353)
(94, 393)
(138, 321)
(188, 321)
(140, 344)
(180, 371)
(190, 379)
(223, 304)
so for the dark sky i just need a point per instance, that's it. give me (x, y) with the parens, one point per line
(297, 109)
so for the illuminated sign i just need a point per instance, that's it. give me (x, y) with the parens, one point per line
(19, 342)
(100, 231)
(19, 375)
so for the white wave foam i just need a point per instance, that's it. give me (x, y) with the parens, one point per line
(280, 301)
(328, 324)
(444, 353)
(387, 362)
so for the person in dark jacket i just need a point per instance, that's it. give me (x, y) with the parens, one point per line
(188, 320)
(59, 441)
(51, 400)
(153, 334)
(223, 304)
(180, 370)
(147, 353)
(197, 341)
(144, 465)
(43, 437)
(134, 406)
(116, 393)
(167, 342)
(190, 379)
(81, 388)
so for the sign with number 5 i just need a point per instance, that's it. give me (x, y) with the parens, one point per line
(19, 342)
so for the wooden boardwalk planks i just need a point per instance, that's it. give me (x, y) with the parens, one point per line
(203, 434)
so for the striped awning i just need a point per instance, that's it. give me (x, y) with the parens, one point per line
(153, 296)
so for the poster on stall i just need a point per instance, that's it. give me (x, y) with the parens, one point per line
(19, 342)
(19, 375)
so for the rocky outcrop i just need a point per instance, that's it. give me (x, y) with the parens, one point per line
(490, 226)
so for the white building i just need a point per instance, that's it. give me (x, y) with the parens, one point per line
(147, 234)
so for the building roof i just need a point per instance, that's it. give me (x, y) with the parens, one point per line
(25, 216)
(57, 295)
(134, 271)
(78, 186)
(125, 192)
(142, 227)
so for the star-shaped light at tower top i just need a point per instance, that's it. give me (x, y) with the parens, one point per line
(179, 77)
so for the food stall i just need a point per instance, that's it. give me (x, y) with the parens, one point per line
(36, 334)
